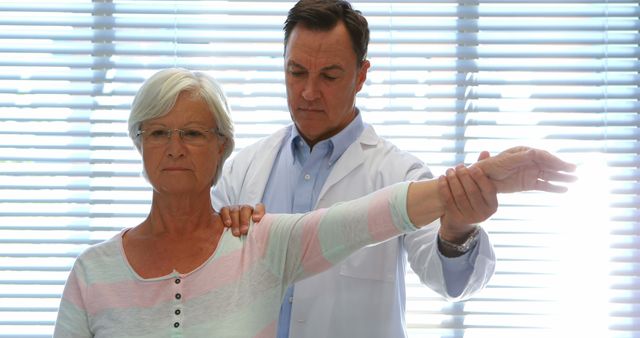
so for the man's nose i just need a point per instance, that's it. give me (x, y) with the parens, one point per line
(310, 91)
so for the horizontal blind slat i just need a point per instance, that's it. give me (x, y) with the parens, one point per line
(448, 79)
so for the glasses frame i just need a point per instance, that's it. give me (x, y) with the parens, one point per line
(170, 131)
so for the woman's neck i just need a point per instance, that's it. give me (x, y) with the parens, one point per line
(177, 215)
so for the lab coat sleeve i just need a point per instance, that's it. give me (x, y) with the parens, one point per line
(431, 267)
(454, 279)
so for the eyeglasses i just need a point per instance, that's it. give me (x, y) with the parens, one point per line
(191, 136)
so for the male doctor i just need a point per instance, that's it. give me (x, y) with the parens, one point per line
(330, 155)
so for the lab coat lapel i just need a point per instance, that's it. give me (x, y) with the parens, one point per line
(351, 159)
(261, 166)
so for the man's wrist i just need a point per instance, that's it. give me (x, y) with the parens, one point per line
(452, 249)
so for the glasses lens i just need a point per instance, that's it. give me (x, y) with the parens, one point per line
(194, 136)
(156, 135)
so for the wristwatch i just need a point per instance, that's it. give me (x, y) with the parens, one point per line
(464, 247)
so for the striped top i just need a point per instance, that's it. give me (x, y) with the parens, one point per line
(237, 292)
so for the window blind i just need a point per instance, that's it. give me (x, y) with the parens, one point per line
(448, 79)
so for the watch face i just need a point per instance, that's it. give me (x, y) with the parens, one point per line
(464, 247)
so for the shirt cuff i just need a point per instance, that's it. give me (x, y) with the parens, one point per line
(460, 263)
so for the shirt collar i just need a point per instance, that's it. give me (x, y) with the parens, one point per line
(337, 144)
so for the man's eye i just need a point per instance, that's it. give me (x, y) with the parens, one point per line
(329, 77)
(193, 134)
(296, 74)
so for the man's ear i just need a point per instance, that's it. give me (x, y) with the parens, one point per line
(362, 74)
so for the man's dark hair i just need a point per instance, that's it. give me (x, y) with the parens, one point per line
(324, 15)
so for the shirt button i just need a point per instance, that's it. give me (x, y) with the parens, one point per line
(178, 296)
(176, 324)
(177, 280)
(177, 312)
(307, 177)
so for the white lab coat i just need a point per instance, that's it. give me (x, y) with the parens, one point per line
(364, 295)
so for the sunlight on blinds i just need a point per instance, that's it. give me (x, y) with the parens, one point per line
(448, 80)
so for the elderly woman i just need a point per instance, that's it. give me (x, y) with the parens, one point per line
(178, 273)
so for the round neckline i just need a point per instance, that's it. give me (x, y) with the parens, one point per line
(174, 274)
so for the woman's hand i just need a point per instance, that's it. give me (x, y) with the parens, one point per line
(469, 195)
(523, 168)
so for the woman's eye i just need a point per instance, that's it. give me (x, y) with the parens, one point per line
(192, 133)
(159, 133)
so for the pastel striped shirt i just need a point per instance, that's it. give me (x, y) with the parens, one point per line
(237, 292)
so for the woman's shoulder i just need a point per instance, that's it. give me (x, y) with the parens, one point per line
(103, 255)
(106, 247)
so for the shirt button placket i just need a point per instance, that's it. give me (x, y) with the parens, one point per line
(177, 312)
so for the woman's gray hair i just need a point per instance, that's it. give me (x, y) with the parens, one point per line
(159, 93)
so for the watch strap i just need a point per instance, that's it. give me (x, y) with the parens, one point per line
(465, 246)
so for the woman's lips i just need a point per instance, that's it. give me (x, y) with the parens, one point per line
(175, 169)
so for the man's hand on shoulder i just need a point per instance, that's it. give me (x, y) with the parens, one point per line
(237, 217)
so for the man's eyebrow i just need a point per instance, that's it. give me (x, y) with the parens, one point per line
(327, 68)
(294, 64)
(333, 67)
